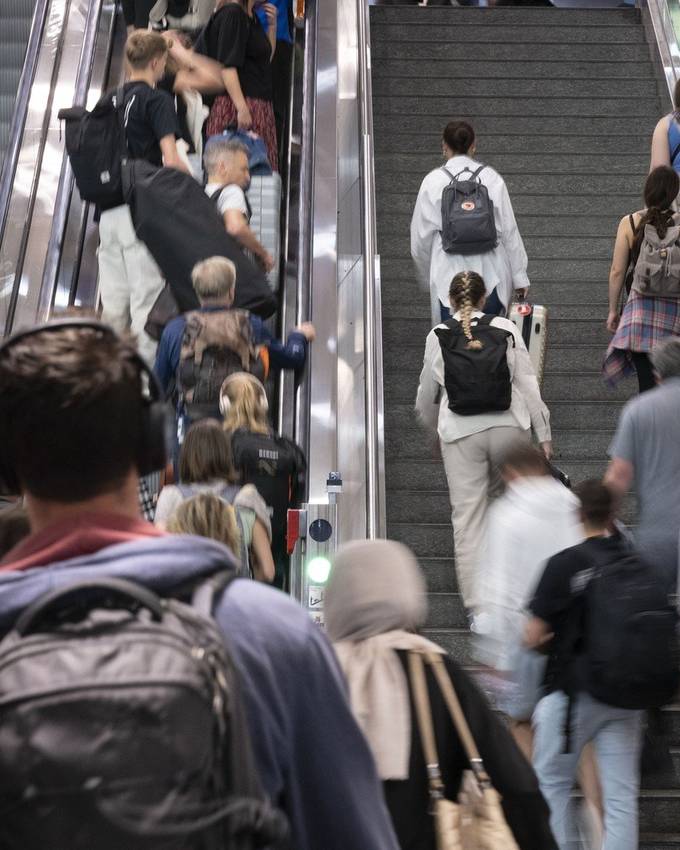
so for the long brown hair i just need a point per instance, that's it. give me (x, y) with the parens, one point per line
(206, 454)
(661, 190)
(466, 291)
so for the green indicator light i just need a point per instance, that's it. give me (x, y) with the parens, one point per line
(318, 569)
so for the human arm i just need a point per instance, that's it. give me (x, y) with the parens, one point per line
(271, 13)
(261, 558)
(171, 157)
(425, 224)
(620, 473)
(429, 386)
(195, 72)
(537, 632)
(289, 355)
(617, 272)
(168, 354)
(236, 225)
(512, 241)
(661, 154)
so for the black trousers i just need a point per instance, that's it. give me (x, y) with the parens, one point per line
(645, 372)
(136, 13)
(282, 66)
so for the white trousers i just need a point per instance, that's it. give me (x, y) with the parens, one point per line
(471, 465)
(129, 279)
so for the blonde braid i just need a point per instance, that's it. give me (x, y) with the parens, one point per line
(466, 315)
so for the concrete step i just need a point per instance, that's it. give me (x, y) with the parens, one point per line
(440, 574)
(526, 203)
(505, 16)
(659, 810)
(396, 119)
(457, 103)
(554, 185)
(494, 143)
(455, 70)
(457, 642)
(513, 87)
(445, 611)
(399, 271)
(520, 163)
(563, 53)
(556, 247)
(529, 225)
(656, 841)
(426, 540)
(449, 30)
(567, 299)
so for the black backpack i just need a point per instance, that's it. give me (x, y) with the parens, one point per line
(121, 726)
(476, 381)
(468, 222)
(97, 146)
(630, 645)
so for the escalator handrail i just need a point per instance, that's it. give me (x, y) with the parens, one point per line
(21, 107)
(667, 41)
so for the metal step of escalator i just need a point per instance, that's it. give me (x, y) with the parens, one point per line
(15, 26)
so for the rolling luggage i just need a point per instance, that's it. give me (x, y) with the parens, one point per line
(180, 226)
(532, 322)
(264, 197)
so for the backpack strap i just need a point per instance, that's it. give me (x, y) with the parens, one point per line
(446, 171)
(475, 174)
(217, 194)
(120, 112)
(487, 320)
(204, 596)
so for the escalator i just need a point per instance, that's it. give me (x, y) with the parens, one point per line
(16, 17)
(563, 102)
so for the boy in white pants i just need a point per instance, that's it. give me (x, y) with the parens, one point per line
(129, 279)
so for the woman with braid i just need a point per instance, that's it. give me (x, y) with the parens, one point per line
(478, 390)
(644, 320)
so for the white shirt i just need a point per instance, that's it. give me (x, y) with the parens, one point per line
(232, 198)
(504, 268)
(527, 409)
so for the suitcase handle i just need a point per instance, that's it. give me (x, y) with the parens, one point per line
(66, 602)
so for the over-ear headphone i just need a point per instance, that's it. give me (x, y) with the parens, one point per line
(157, 423)
(225, 401)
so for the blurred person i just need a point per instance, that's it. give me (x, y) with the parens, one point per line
(645, 456)
(282, 64)
(666, 137)
(234, 336)
(495, 378)
(644, 320)
(374, 604)
(205, 466)
(14, 527)
(275, 465)
(129, 278)
(228, 179)
(504, 268)
(235, 37)
(136, 14)
(569, 717)
(207, 515)
(85, 385)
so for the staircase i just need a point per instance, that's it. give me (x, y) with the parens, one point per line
(15, 25)
(563, 103)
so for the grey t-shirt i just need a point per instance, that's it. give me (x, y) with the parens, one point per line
(648, 436)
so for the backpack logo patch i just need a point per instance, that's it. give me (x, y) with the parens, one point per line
(468, 206)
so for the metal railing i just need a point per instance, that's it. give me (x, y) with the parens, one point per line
(667, 41)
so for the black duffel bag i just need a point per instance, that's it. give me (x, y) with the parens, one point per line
(181, 226)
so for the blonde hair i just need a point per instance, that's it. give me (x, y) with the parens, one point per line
(247, 407)
(206, 515)
(214, 278)
(143, 46)
(466, 291)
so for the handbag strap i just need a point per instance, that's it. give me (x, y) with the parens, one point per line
(458, 717)
(425, 725)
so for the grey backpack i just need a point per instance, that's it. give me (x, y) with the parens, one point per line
(657, 271)
(468, 222)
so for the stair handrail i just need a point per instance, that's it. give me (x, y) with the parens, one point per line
(667, 41)
(376, 524)
(18, 123)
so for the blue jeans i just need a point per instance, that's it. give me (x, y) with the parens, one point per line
(617, 737)
(493, 307)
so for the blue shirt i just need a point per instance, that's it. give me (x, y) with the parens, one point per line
(289, 355)
(283, 32)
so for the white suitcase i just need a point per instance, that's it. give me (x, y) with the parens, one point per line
(264, 197)
(532, 322)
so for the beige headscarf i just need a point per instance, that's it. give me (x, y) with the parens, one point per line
(374, 600)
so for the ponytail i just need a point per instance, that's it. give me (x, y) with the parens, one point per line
(466, 291)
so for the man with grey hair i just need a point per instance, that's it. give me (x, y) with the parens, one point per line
(229, 340)
(226, 164)
(645, 455)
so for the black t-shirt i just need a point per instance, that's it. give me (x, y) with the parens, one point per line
(276, 467)
(560, 601)
(238, 41)
(167, 84)
(150, 117)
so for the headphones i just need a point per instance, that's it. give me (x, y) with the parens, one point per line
(225, 401)
(156, 426)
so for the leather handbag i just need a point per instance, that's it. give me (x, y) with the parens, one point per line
(476, 821)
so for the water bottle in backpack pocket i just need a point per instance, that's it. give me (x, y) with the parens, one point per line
(468, 219)
(657, 271)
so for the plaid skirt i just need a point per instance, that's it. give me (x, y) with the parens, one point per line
(644, 322)
(223, 113)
